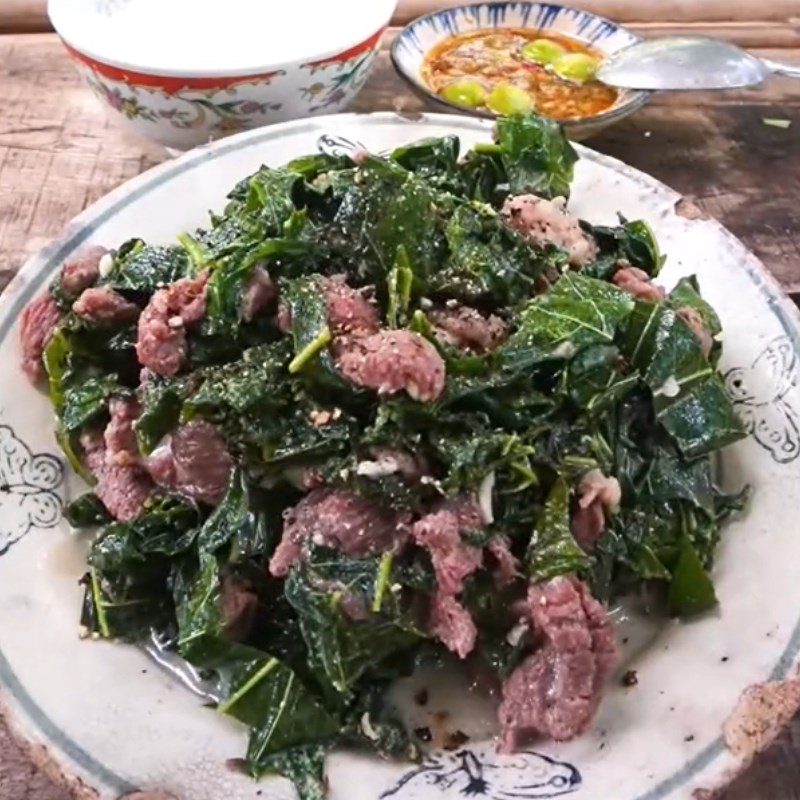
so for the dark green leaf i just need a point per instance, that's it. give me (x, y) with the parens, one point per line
(236, 523)
(256, 381)
(270, 197)
(552, 549)
(686, 294)
(160, 400)
(688, 394)
(282, 713)
(310, 332)
(228, 281)
(631, 241)
(199, 617)
(640, 246)
(434, 159)
(595, 379)
(314, 165)
(672, 478)
(298, 441)
(86, 511)
(691, 590)
(87, 400)
(131, 564)
(387, 208)
(577, 312)
(484, 177)
(342, 650)
(487, 260)
(536, 155)
(303, 766)
(469, 456)
(139, 267)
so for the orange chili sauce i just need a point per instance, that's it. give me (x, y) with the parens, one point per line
(493, 56)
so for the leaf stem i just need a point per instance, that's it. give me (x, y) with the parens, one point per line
(193, 248)
(310, 350)
(248, 685)
(381, 581)
(97, 598)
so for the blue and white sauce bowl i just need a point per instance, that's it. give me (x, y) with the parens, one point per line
(606, 37)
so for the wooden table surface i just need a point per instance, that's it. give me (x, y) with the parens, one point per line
(59, 152)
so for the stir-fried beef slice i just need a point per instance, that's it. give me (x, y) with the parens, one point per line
(238, 601)
(102, 305)
(452, 624)
(194, 461)
(638, 283)
(81, 270)
(37, 323)
(546, 222)
(555, 692)
(393, 361)
(349, 311)
(260, 294)
(597, 495)
(161, 342)
(504, 564)
(122, 488)
(467, 329)
(342, 520)
(453, 560)
(119, 435)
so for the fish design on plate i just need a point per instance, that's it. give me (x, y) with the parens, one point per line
(769, 412)
(28, 489)
(337, 146)
(522, 776)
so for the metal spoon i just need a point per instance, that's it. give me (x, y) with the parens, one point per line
(688, 62)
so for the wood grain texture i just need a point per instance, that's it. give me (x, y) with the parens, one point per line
(59, 152)
(649, 10)
(23, 16)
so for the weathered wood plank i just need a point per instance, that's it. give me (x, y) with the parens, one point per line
(652, 11)
(745, 34)
(22, 16)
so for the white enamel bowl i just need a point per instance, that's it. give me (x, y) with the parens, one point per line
(184, 72)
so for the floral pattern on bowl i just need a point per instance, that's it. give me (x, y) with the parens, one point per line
(419, 36)
(181, 113)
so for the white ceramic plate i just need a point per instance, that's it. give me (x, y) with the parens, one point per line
(112, 720)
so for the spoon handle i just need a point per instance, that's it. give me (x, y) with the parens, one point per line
(790, 70)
